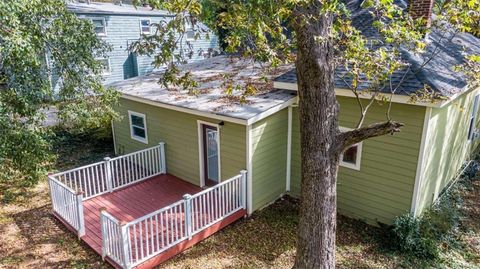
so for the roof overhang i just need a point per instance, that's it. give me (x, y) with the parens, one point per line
(402, 99)
(212, 115)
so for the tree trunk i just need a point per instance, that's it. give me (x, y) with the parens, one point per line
(319, 132)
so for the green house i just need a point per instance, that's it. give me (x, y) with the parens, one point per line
(211, 136)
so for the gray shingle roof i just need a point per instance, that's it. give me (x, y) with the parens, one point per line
(439, 73)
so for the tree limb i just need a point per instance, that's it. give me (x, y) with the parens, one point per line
(352, 137)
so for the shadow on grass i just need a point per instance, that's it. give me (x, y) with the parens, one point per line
(59, 247)
(267, 239)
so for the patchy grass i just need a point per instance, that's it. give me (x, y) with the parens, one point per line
(32, 238)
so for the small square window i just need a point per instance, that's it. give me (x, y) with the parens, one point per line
(138, 126)
(190, 34)
(145, 26)
(99, 27)
(352, 156)
(105, 62)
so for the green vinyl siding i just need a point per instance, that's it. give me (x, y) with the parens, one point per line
(446, 148)
(383, 188)
(179, 131)
(269, 158)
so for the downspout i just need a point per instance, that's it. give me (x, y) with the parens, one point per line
(249, 164)
(289, 151)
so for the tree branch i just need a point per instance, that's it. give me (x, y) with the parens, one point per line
(352, 137)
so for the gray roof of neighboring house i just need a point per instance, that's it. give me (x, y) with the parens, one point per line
(439, 73)
(213, 76)
(114, 9)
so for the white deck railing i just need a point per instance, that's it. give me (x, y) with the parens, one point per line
(216, 203)
(69, 188)
(91, 179)
(136, 166)
(112, 245)
(67, 204)
(156, 232)
(111, 174)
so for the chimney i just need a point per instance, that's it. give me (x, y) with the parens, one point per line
(421, 9)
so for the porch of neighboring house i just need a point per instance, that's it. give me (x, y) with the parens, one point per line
(134, 214)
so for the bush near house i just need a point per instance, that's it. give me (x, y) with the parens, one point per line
(437, 229)
(32, 238)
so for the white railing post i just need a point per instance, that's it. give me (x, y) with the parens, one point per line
(244, 188)
(104, 232)
(52, 195)
(125, 244)
(81, 220)
(163, 165)
(188, 215)
(108, 174)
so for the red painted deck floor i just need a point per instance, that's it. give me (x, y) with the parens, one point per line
(133, 202)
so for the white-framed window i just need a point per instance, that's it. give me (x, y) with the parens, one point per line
(138, 126)
(105, 62)
(145, 27)
(189, 32)
(99, 26)
(473, 117)
(352, 156)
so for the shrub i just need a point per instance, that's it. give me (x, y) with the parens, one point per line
(408, 237)
(424, 236)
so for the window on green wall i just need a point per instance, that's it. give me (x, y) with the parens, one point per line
(138, 126)
(352, 156)
(473, 118)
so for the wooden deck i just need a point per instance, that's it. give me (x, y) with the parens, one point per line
(128, 209)
(133, 202)
(140, 199)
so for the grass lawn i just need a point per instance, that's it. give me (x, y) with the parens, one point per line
(32, 238)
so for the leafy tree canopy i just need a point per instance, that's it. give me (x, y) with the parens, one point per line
(41, 40)
(264, 31)
(318, 36)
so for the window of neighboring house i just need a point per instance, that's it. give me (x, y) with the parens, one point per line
(473, 118)
(105, 62)
(138, 126)
(100, 26)
(145, 27)
(352, 156)
(189, 32)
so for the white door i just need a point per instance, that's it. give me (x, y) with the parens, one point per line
(211, 155)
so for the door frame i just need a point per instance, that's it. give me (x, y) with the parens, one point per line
(201, 153)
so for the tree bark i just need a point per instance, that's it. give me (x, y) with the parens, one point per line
(318, 110)
(321, 141)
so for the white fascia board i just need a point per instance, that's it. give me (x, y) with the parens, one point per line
(402, 99)
(250, 121)
(186, 110)
(272, 110)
